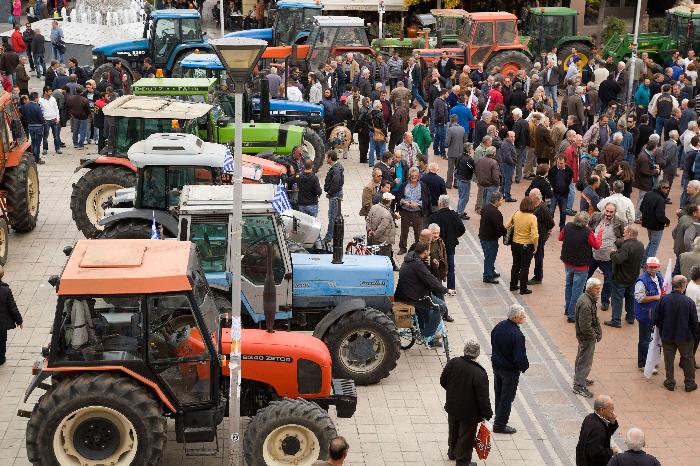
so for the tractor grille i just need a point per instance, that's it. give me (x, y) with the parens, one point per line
(217, 218)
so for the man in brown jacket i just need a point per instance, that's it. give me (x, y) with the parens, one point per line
(557, 129)
(544, 143)
(588, 333)
(574, 105)
(79, 109)
(613, 151)
(488, 175)
(370, 190)
(22, 78)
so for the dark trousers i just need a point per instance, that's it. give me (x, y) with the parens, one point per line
(36, 134)
(363, 142)
(539, 261)
(55, 129)
(395, 138)
(643, 343)
(505, 385)
(606, 268)
(559, 200)
(408, 220)
(3, 345)
(685, 348)
(460, 440)
(428, 320)
(490, 249)
(522, 256)
(620, 293)
(450, 271)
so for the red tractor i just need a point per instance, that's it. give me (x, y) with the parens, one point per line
(137, 338)
(490, 38)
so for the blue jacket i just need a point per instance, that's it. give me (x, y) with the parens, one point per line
(696, 166)
(645, 312)
(31, 112)
(464, 115)
(508, 347)
(676, 317)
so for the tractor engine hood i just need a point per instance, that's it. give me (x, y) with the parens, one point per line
(315, 275)
(281, 106)
(123, 48)
(264, 34)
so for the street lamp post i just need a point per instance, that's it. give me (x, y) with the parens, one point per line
(239, 56)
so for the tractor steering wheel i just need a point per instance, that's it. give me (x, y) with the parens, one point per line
(179, 337)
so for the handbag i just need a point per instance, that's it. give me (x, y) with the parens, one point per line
(508, 237)
(482, 443)
(379, 135)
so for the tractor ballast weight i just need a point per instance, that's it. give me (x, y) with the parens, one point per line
(137, 338)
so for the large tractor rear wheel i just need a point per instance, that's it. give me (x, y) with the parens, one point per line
(364, 345)
(92, 190)
(510, 61)
(288, 432)
(22, 186)
(583, 50)
(4, 242)
(127, 229)
(314, 147)
(96, 419)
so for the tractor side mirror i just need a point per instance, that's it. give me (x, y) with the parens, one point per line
(68, 250)
(53, 280)
(223, 121)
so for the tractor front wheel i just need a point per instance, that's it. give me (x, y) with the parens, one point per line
(90, 193)
(313, 146)
(509, 61)
(288, 432)
(127, 229)
(98, 418)
(364, 345)
(22, 186)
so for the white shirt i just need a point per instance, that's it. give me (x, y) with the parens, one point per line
(49, 108)
(294, 94)
(693, 292)
(623, 205)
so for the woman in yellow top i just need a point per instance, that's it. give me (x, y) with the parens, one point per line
(524, 244)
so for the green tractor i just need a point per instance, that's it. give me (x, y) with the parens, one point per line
(549, 27)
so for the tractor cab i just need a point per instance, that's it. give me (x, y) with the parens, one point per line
(169, 30)
(683, 26)
(448, 24)
(203, 65)
(334, 35)
(293, 21)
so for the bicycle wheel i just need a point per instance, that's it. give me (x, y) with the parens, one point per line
(407, 338)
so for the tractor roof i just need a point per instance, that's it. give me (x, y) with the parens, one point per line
(155, 107)
(449, 12)
(336, 21)
(178, 149)
(283, 4)
(126, 266)
(201, 199)
(173, 86)
(202, 60)
(491, 16)
(553, 11)
(686, 11)
(173, 13)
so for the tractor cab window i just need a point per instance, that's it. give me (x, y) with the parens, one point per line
(176, 348)
(290, 21)
(450, 26)
(99, 329)
(191, 30)
(355, 36)
(212, 242)
(161, 186)
(165, 39)
(505, 32)
(258, 232)
(13, 126)
(549, 29)
(131, 130)
(483, 35)
(204, 299)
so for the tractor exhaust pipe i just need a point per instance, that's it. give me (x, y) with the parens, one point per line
(269, 293)
(338, 234)
(264, 98)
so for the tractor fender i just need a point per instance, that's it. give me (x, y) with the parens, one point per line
(169, 223)
(105, 160)
(568, 39)
(36, 381)
(339, 311)
(184, 49)
(125, 64)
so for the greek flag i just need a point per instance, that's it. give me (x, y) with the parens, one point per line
(154, 229)
(228, 161)
(280, 201)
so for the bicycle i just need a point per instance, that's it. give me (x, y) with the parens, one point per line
(359, 247)
(406, 321)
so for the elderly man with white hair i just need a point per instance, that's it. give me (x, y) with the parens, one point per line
(593, 447)
(466, 402)
(635, 455)
(509, 359)
(588, 333)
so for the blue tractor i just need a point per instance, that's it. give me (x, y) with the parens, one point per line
(168, 36)
(348, 305)
(291, 23)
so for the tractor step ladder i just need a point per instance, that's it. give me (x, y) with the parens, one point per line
(201, 451)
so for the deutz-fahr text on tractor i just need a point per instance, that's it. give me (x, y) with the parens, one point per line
(137, 339)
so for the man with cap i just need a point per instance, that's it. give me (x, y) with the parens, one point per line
(648, 290)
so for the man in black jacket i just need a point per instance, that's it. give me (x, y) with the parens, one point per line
(491, 230)
(416, 286)
(333, 186)
(608, 91)
(309, 189)
(625, 260)
(634, 456)
(451, 228)
(464, 171)
(509, 359)
(440, 118)
(593, 447)
(545, 223)
(467, 402)
(9, 315)
(653, 209)
(560, 177)
(522, 140)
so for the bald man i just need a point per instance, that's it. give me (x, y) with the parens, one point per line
(593, 447)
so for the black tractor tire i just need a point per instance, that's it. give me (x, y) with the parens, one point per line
(110, 401)
(107, 67)
(94, 187)
(508, 57)
(583, 50)
(4, 240)
(376, 329)
(127, 229)
(309, 432)
(312, 142)
(22, 186)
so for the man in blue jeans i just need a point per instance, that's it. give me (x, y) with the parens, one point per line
(626, 260)
(79, 109)
(509, 157)
(509, 359)
(34, 119)
(560, 177)
(653, 209)
(491, 230)
(662, 106)
(647, 294)
(49, 109)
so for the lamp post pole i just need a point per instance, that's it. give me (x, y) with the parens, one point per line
(633, 59)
